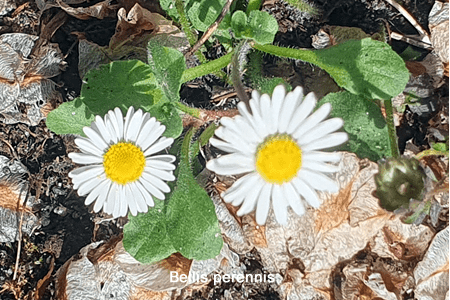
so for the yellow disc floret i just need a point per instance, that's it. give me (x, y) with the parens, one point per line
(278, 159)
(123, 162)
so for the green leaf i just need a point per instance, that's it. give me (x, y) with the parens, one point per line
(192, 223)
(119, 84)
(70, 118)
(168, 65)
(263, 25)
(239, 24)
(364, 123)
(169, 7)
(363, 67)
(259, 26)
(145, 235)
(186, 222)
(204, 12)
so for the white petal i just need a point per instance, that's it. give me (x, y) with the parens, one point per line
(88, 147)
(164, 175)
(101, 125)
(79, 171)
(103, 196)
(224, 146)
(155, 133)
(266, 114)
(319, 166)
(321, 130)
(140, 200)
(251, 198)
(87, 186)
(239, 127)
(302, 112)
(158, 146)
(321, 156)
(313, 120)
(110, 202)
(318, 181)
(262, 129)
(328, 141)
(119, 121)
(306, 191)
(85, 159)
(234, 139)
(134, 126)
(130, 200)
(256, 95)
(86, 175)
(236, 195)
(113, 127)
(117, 201)
(147, 196)
(290, 103)
(95, 192)
(262, 209)
(129, 115)
(249, 119)
(156, 182)
(124, 202)
(231, 164)
(293, 198)
(95, 137)
(158, 164)
(151, 189)
(277, 101)
(146, 132)
(163, 157)
(279, 204)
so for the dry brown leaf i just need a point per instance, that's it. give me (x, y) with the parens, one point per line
(100, 10)
(438, 24)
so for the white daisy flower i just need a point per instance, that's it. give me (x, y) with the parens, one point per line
(277, 145)
(121, 169)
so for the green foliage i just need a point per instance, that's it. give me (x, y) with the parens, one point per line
(259, 26)
(363, 67)
(154, 88)
(202, 13)
(364, 123)
(398, 181)
(304, 6)
(184, 223)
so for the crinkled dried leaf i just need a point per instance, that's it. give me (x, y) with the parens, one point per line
(344, 225)
(133, 31)
(26, 64)
(99, 10)
(13, 193)
(438, 24)
(431, 274)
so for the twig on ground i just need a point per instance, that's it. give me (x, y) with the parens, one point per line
(210, 30)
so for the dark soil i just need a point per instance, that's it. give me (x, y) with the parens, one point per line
(66, 224)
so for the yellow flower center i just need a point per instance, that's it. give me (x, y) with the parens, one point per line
(123, 162)
(278, 159)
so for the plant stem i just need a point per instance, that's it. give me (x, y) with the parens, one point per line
(253, 5)
(301, 54)
(189, 110)
(391, 128)
(206, 68)
(185, 26)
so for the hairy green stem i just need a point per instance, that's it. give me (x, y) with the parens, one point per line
(185, 26)
(187, 109)
(206, 68)
(391, 128)
(236, 76)
(301, 54)
(253, 5)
